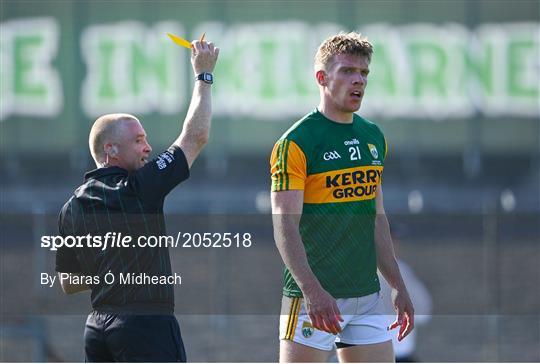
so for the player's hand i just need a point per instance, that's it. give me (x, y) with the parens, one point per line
(323, 310)
(405, 313)
(203, 56)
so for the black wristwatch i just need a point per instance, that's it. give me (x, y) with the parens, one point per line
(206, 77)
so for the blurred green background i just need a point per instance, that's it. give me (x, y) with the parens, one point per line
(447, 76)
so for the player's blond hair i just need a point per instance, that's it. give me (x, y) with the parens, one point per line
(343, 43)
(105, 129)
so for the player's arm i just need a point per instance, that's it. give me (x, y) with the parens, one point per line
(196, 128)
(388, 266)
(286, 213)
(70, 288)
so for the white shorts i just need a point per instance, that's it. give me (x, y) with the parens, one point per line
(363, 323)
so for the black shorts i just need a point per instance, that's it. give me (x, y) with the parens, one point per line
(133, 338)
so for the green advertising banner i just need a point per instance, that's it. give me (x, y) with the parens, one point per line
(418, 70)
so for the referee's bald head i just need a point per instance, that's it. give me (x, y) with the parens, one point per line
(106, 129)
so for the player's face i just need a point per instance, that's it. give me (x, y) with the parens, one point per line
(133, 148)
(346, 80)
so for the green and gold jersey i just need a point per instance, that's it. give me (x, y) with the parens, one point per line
(339, 167)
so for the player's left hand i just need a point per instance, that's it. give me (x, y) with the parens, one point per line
(405, 313)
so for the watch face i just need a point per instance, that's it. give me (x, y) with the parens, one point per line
(206, 77)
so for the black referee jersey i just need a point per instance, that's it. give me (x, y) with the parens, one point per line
(111, 200)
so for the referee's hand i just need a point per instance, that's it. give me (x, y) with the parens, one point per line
(323, 310)
(203, 56)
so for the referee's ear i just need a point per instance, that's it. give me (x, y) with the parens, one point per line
(111, 150)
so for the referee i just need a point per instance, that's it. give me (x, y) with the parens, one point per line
(125, 195)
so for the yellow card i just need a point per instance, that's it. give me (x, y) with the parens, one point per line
(180, 41)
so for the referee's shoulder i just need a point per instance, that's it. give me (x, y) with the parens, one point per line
(68, 209)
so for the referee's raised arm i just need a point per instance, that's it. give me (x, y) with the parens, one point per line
(125, 195)
(196, 129)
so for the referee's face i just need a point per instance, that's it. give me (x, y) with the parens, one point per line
(133, 148)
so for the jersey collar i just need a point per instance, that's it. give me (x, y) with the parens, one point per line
(100, 172)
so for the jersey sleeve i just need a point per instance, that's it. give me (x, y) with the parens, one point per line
(66, 259)
(159, 176)
(288, 166)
